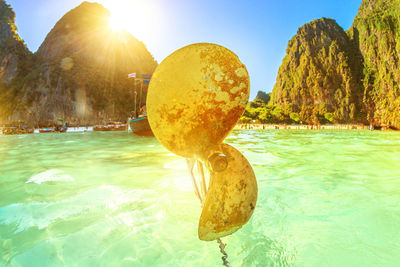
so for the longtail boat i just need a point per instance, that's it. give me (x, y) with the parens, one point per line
(140, 126)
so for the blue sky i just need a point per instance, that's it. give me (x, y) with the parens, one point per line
(257, 31)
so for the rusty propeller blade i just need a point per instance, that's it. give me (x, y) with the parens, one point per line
(231, 197)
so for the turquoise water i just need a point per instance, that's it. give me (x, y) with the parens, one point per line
(326, 198)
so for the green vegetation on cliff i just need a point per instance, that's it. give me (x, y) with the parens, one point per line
(316, 82)
(329, 75)
(377, 31)
(15, 61)
(260, 110)
(263, 97)
(79, 72)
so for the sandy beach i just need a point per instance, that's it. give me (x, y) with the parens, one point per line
(302, 127)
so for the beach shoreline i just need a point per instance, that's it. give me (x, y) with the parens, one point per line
(261, 126)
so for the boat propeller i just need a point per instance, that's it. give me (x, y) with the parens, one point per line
(196, 96)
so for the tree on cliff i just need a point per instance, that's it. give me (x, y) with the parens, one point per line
(79, 72)
(15, 61)
(328, 75)
(376, 31)
(316, 81)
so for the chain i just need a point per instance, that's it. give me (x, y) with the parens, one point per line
(222, 249)
(190, 164)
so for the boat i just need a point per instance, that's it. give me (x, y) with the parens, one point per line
(61, 128)
(116, 126)
(101, 128)
(46, 130)
(26, 130)
(140, 126)
(10, 131)
(139, 123)
(57, 129)
(17, 130)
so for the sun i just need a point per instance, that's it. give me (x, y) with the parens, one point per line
(117, 23)
(126, 14)
(120, 15)
(139, 17)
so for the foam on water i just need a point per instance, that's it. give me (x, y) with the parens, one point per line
(113, 199)
(50, 176)
(41, 214)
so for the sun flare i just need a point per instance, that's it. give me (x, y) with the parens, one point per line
(135, 16)
(116, 23)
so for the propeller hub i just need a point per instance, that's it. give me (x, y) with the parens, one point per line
(217, 162)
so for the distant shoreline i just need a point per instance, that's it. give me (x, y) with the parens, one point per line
(260, 126)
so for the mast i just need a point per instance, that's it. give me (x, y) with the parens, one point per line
(133, 75)
(140, 97)
(135, 110)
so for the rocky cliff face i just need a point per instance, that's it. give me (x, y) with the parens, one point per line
(345, 77)
(80, 72)
(317, 80)
(15, 61)
(376, 29)
(12, 49)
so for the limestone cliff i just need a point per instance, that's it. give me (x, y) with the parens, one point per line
(79, 73)
(330, 75)
(12, 49)
(376, 30)
(317, 81)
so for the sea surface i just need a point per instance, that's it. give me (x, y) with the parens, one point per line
(326, 198)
